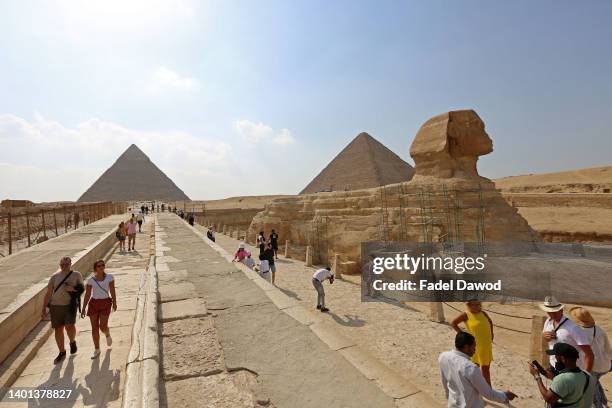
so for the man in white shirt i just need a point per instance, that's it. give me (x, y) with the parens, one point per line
(463, 382)
(560, 329)
(318, 278)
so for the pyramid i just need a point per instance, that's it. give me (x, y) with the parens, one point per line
(133, 177)
(363, 163)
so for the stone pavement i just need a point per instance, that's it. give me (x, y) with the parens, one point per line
(400, 336)
(25, 268)
(96, 382)
(231, 346)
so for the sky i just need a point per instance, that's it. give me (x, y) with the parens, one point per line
(256, 97)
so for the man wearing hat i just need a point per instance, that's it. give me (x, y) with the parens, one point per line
(571, 387)
(560, 329)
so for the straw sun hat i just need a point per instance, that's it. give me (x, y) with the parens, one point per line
(582, 316)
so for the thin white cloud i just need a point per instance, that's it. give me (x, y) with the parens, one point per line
(44, 160)
(258, 132)
(165, 79)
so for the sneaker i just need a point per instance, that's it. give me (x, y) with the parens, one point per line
(324, 309)
(95, 354)
(319, 307)
(109, 340)
(73, 347)
(60, 357)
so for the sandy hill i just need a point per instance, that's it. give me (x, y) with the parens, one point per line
(592, 180)
(363, 163)
(245, 202)
(133, 177)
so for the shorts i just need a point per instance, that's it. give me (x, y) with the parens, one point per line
(140, 223)
(133, 236)
(275, 245)
(99, 307)
(121, 238)
(62, 315)
(273, 268)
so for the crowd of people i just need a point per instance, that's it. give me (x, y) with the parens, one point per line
(579, 355)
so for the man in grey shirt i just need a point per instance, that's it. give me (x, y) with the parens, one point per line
(62, 288)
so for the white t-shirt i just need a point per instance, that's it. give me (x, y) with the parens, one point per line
(100, 289)
(322, 274)
(569, 333)
(601, 348)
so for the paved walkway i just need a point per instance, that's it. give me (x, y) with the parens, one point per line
(231, 346)
(30, 266)
(399, 335)
(96, 382)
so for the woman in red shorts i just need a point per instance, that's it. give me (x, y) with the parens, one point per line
(100, 298)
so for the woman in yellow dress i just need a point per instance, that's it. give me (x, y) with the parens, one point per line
(478, 324)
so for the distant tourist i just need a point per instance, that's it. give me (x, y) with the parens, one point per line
(86, 218)
(268, 254)
(100, 298)
(570, 387)
(140, 219)
(142, 208)
(602, 352)
(121, 234)
(249, 262)
(163, 206)
(131, 232)
(62, 298)
(210, 234)
(274, 242)
(241, 253)
(318, 278)
(479, 325)
(561, 329)
(464, 385)
(191, 219)
(261, 242)
(264, 268)
(76, 220)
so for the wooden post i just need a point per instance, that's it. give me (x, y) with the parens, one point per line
(287, 249)
(308, 256)
(537, 344)
(55, 222)
(28, 227)
(65, 220)
(10, 231)
(436, 312)
(44, 227)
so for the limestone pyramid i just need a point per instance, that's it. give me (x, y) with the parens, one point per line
(363, 163)
(133, 177)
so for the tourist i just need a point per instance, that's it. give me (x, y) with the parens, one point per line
(463, 383)
(560, 329)
(76, 220)
(274, 242)
(62, 298)
(264, 268)
(163, 207)
(241, 253)
(86, 218)
(571, 387)
(602, 352)
(261, 242)
(318, 278)
(121, 233)
(479, 325)
(131, 233)
(142, 208)
(269, 255)
(249, 262)
(191, 219)
(211, 234)
(140, 220)
(100, 297)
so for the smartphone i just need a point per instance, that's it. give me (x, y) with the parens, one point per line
(539, 367)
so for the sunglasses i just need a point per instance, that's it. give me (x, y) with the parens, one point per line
(100, 265)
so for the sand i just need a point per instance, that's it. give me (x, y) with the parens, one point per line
(591, 180)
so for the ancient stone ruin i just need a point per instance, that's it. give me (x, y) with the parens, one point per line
(363, 163)
(133, 177)
(446, 201)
